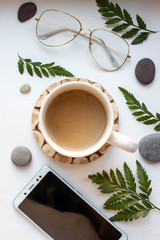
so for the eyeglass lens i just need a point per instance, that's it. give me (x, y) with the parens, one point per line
(57, 28)
(109, 50)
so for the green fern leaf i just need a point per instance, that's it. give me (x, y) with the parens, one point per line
(40, 68)
(143, 114)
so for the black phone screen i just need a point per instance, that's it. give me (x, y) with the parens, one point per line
(63, 215)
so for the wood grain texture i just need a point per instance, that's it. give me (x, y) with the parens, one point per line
(46, 147)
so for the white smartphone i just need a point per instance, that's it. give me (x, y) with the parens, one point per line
(56, 208)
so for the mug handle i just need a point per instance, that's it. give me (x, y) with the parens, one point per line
(121, 141)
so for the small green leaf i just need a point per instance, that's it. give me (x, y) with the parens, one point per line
(149, 122)
(27, 60)
(128, 215)
(110, 190)
(106, 176)
(108, 14)
(102, 3)
(129, 178)
(127, 17)
(140, 38)
(103, 10)
(133, 107)
(120, 28)
(116, 197)
(157, 128)
(130, 33)
(144, 118)
(144, 107)
(158, 116)
(119, 11)
(113, 21)
(112, 176)
(143, 195)
(140, 22)
(123, 204)
(120, 178)
(21, 66)
(37, 71)
(61, 71)
(45, 73)
(51, 71)
(147, 204)
(29, 69)
(36, 63)
(140, 113)
(47, 65)
(143, 179)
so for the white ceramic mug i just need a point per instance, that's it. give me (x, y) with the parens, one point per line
(109, 136)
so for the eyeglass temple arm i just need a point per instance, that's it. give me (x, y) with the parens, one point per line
(50, 34)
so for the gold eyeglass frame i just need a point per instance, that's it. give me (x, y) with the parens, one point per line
(85, 35)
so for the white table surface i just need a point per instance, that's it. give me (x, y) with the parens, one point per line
(16, 109)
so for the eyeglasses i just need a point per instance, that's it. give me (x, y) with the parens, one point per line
(56, 28)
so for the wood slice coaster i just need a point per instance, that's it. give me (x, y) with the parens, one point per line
(50, 152)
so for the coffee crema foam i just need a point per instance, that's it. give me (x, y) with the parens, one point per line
(75, 120)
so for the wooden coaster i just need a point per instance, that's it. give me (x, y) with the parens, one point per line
(46, 147)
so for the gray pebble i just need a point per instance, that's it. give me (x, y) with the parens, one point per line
(21, 156)
(145, 71)
(25, 88)
(149, 147)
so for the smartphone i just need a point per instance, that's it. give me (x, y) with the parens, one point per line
(62, 213)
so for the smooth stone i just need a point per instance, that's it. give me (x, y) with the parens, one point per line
(145, 71)
(25, 88)
(26, 11)
(149, 147)
(21, 156)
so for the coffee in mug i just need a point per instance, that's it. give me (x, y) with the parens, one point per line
(75, 119)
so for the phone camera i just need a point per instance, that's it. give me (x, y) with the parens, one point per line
(37, 179)
(25, 193)
(40, 176)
